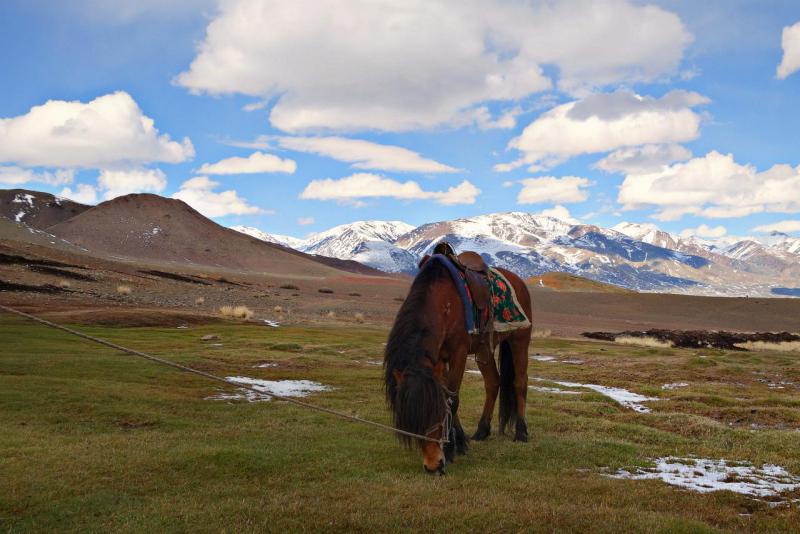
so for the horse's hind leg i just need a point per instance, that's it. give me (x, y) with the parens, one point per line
(491, 385)
(519, 349)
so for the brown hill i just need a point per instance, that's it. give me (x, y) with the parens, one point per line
(157, 229)
(570, 282)
(36, 209)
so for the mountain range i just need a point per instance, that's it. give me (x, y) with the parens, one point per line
(635, 256)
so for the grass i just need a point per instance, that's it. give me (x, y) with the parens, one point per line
(644, 341)
(236, 312)
(94, 440)
(124, 290)
(785, 346)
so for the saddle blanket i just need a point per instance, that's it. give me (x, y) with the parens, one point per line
(508, 313)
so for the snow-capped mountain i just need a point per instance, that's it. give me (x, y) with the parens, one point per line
(283, 240)
(636, 256)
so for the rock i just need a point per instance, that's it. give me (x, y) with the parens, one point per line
(209, 337)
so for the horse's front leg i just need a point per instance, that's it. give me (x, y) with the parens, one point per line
(457, 439)
(491, 386)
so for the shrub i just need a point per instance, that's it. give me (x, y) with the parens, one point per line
(290, 286)
(784, 346)
(354, 294)
(325, 290)
(124, 290)
(277, 309)
(646, 341)
(359, 317)
(542, 332)
(64, 284)
(199, 301)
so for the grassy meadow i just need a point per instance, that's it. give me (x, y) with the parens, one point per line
(96, 441)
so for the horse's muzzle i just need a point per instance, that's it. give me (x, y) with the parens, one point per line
(440, 470)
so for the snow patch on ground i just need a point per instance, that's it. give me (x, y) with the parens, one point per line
(266, 365)
(543, 358)
(704, 476)
(557, 391)
(674, 385)
(623, 397)
(284, 388)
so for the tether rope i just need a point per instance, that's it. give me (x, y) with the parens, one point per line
(219, 378)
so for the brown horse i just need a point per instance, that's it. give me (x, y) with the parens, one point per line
(424, 364)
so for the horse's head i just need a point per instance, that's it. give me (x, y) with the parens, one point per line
(419, 404)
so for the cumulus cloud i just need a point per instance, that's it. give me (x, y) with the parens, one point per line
(604, 122)
(199, 193)
(365, 154)
(791, 51)
(255, 163)
(560, 212)
(642, 159)
(552, 189)
(116, 183)
(358, 64)
(12, 175)
(713, 186)
(782, 226)
(83, 193)
(365, 185)
(705, 231)
(109, 131)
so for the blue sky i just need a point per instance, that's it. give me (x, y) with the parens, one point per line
(548, 90)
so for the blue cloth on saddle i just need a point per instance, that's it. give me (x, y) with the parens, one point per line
(461, 285)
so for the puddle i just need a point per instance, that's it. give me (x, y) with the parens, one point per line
(704, 476)
(623, 397)
(674, 385)
(284, 388)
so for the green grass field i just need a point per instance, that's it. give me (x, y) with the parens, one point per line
(94, 440)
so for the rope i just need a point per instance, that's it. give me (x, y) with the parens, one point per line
(219, 378)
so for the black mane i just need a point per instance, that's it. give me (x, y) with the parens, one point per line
(420, 401)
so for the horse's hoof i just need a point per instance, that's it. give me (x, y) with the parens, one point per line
(482, 433)
(521, 437)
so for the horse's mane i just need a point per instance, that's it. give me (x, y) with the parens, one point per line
(404, 348)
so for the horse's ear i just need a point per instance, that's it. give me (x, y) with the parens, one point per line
(399, 377)
(424, 260)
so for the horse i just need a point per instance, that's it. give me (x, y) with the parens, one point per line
(424, 362)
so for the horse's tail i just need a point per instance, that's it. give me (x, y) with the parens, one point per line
(508, 399)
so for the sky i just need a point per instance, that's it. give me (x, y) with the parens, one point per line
(294, 117)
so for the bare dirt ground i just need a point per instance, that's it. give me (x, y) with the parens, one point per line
(81, 288)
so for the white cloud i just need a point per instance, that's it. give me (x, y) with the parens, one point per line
(782, 226)
(83, 193)
(560, 212)
(116, 183)
(642, 159)
(705, 231)
(11, 175)
(110, 131)
(604, 122)
(366, 185)
(791, 51)
(257, 162)
(199, 193)
(713, 186)
(552, 189)
(305, 220)
(359, 64)
(365, 154)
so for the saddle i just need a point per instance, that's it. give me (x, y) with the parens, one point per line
(475, 271)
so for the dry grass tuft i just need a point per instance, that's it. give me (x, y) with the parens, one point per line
(277, 309)
(331, 314)
(124, 290)
(359, 317)
(199, 301)
(646, 341)
(64, 284)
(325, 290)
(542, 332)
(290, 286)
(354, 294)
(238, 312)
(785, 346)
